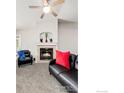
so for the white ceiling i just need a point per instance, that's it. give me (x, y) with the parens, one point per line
(25, 16)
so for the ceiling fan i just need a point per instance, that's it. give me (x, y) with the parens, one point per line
(48, 7)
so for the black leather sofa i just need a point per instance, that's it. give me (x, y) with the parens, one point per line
(28, 58)
(68, 78)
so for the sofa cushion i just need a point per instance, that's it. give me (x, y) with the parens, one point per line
(70, 80)
(62, 58)
(56, 69)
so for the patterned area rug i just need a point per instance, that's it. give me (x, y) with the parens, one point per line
(36, 79)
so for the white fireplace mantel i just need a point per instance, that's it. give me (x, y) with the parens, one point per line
(45, 45)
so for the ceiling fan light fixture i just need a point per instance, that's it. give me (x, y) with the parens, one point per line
(46, 9)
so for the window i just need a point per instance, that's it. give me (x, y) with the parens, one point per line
(18, 42)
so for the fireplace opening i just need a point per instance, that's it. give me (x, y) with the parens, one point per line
(46, 53)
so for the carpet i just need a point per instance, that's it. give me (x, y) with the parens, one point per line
(36, 79)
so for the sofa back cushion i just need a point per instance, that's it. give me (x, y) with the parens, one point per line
(72, 59)
(62, 58)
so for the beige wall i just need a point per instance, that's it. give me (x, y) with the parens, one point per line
(68, 36)
(65, 33)
(30, 37)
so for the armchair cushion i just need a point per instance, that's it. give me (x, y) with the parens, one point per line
(27, 53)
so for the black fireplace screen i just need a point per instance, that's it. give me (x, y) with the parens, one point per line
(46, 53)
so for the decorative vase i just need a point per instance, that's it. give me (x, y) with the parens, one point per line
(46, 40)
(51, 40)
(46, 35)
(41, 40)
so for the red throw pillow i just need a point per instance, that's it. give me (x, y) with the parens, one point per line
(62, 58)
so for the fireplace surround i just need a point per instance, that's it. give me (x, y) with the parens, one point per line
(45, 52)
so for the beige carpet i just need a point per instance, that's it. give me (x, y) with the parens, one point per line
(36, 79)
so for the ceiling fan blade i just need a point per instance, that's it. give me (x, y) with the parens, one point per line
(42, 15)
(34, 6)
(54, 13)
(45, 2)
(57, 2)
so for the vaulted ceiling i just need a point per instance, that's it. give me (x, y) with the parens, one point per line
(68, 11)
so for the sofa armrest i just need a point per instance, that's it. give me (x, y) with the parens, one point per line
(76, 63)
(53, 61)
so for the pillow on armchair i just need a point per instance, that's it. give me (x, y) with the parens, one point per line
(21, 55)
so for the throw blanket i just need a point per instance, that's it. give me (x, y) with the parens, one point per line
(21, 55)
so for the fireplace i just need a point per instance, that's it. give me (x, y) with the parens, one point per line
(46, 53)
